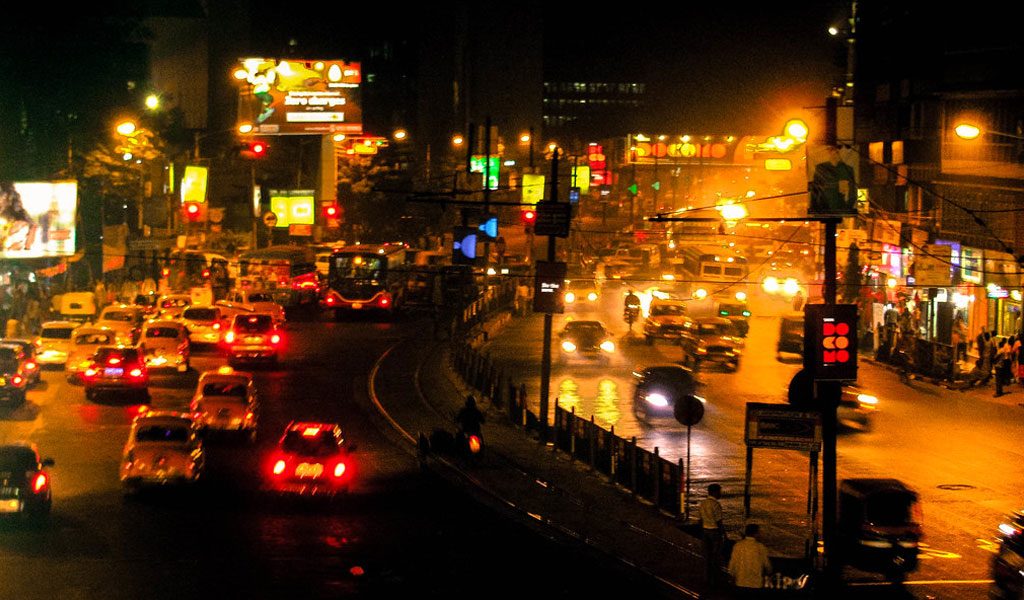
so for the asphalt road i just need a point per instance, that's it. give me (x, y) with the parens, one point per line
(401, 532)
(960, 450)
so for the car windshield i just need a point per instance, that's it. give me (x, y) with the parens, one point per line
(224, 388)
(145, 300)
(661, 310)
(260, 298)
(584, 328)
(321, 444)
(8, 360)
(254, 324)
(888, 509)
(161, 433)
(125, 354)
(162, 332)
(94, 339)
(57, 333)
(17, 459)
(200, 314)
(123, 316)
(175, 302)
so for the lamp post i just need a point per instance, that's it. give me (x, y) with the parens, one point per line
(970, 131)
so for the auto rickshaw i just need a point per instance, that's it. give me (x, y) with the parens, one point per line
(791, 334)
(879, 526)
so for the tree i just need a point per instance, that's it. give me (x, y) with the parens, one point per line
(852, 276)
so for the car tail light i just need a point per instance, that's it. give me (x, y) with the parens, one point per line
(474, 443)
(275, 339)
(113, 361)
(339, 469)
(249, 415)
(279, 467)
(31, 366)
(90, 372)
(229, 337)
(39, 482)
(17, 380)
(216, 326)
(331, 300)
(137, 373)
(384, 300)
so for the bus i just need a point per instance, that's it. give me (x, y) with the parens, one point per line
(367, 277)
(694, 270)
(288, 273)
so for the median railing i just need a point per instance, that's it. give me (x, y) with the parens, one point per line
(644, 473)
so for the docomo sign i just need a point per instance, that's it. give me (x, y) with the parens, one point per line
(830, 336)
(644, 149)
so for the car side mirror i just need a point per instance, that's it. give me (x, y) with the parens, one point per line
(48, 462)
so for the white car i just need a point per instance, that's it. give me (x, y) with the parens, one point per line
(125, 320)
(165, 345)
(261, 302)
(163, 448)
(205, 324)
(225, 400)
(54, 342)
(85, 340)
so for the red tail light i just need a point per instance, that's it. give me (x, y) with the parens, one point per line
(30, 366)
(474, 443)
(17, 380)
(229, 337)
(137, 373)
(339, 469)
(384, 300)
(279, 467)
(216, 326)
(39, 482)
(331, 300)
(113, 361)
(275, 339)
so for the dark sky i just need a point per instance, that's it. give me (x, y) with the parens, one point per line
(711, 67)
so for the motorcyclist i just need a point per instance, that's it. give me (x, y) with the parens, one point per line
(469, 417)
(631, 308)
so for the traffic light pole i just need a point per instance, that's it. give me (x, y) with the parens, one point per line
(545, 360)
(829, 393)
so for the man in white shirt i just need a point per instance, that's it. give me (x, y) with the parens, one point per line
(749, 563)
(713, 534)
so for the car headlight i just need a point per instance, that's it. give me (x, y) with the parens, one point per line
(658, 400)
(791, 287)
(592, 296)
(741, 296)
(570, 297)
(702, 350)
(608, 346)
(867, 400)
(771, 285)
(568, 346)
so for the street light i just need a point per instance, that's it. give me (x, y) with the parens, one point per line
(970, 131)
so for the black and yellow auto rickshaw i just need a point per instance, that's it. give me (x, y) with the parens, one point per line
(791, 334)
(879, 526)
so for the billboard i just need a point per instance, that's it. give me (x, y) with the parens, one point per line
(38, 218)
(293, 207)
(295, 97)
(193, 184)
(832, 181)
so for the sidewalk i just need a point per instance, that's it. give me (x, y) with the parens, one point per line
(560, 498)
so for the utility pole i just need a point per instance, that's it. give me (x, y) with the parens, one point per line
(487, 187)
(545, 361)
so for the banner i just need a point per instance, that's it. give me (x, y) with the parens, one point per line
(37, 218)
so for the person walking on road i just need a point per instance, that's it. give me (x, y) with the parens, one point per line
(749, 564)
(1004, 365)
(712, 535)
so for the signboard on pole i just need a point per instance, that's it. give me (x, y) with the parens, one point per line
(548, 289)
(782, 427)
(830, 341)
(832, 181)
(553, 218)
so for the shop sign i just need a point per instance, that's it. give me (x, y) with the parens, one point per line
(885, 231)
(970, 265)
(931, 267)
(994, 291)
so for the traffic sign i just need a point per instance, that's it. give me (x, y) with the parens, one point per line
(553, 218)
(781, 426)
(656, 185)
(633, 189)
(688, 410)
(548, 295)
(270, 218)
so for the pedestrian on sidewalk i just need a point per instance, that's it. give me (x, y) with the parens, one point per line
(712, 535)
(749, 564)
(959, 339)
(1004, 365)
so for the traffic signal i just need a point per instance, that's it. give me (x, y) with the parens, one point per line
(830, 341)
(253, 149)
(529, 218)
(332, 211)
(193, 211)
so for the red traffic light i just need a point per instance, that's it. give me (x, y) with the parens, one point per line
(254, 149)
(529, 216)
(331, 211)
(193, 211)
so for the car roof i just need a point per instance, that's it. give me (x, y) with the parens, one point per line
(239, 376)
(866, 486)
(93, 329)
(166, 417)
(56, 324)
(19, 341)
(586, 323)
(162, 323)
(20, 449)
(661, 369)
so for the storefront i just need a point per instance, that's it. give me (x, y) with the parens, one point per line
(1002, 293)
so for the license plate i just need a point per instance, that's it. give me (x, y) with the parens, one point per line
(309, 470)
(113, 372)
(10, 506)
(357, 305)
(254, 340)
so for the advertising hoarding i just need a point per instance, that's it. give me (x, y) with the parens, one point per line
(193, 184)
(37, 219)
(295, 97)
(293, 207)
(832, 180)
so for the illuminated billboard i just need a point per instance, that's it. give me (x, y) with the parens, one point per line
(193, 184)
(38, 218)
(292, 97)
(293, 207)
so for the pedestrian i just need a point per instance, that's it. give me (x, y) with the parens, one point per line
(959, 339)
(986, 354)
(798, 301)
(979, 345)
(712, 535)
(749, 564)
(1004, 364)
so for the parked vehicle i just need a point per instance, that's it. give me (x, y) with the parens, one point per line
(879, 526)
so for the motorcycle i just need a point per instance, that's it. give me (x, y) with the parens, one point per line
(469, 444)
(630, 314)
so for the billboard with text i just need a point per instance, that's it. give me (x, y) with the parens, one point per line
(294, 97)
(38, 218)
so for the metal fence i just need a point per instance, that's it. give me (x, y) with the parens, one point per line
(644, 473)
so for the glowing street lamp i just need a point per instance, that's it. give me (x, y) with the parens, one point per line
(126, 127)
(458, 140)
(970, 131)
(400, 134)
